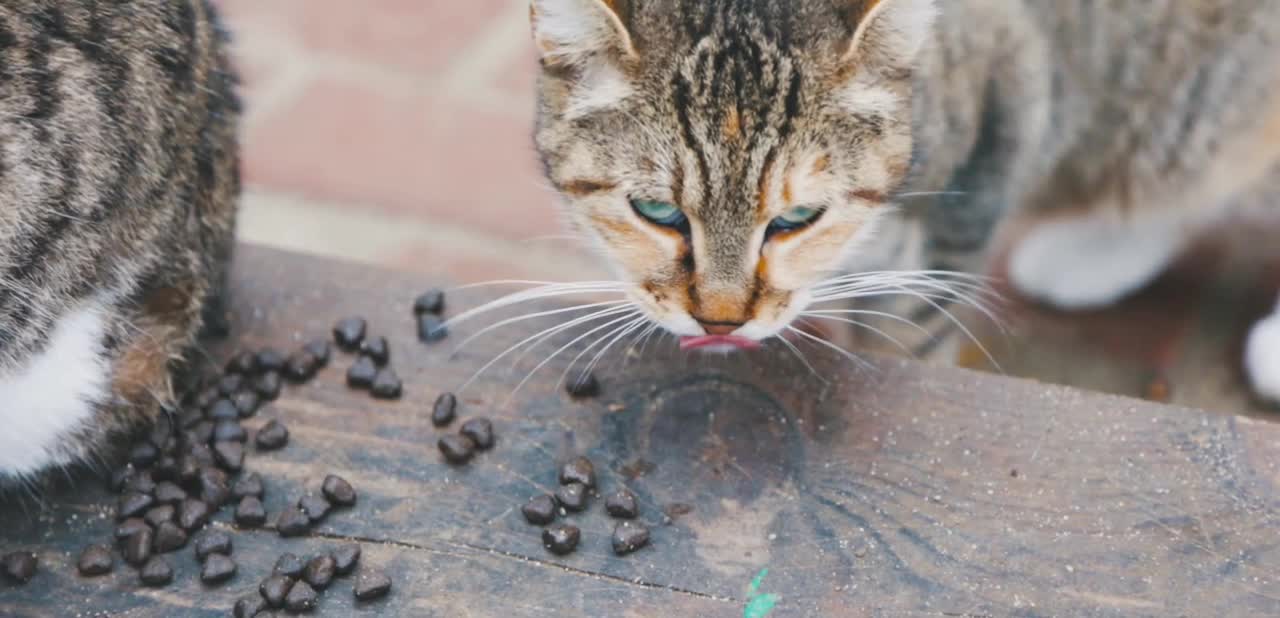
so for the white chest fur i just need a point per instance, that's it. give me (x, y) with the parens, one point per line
(42, 402)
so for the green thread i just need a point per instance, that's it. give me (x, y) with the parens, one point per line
(759, 605)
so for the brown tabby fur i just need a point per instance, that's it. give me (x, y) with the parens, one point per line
(118, 182)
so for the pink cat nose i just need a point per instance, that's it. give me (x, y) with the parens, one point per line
(720, 328)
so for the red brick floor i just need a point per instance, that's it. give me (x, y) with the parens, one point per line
(398, 132)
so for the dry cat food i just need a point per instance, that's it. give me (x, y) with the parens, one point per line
(480, 430)
(540, 510)
(377, 349)
(431, 301)
(444, 410)
(250, 513)
(348, 333)
(629, 536)
(371, 585)
(578, 470)
(320, 571)
(622, 504)
(583, 387)
(338, 491)
(301, 598)
(217, 568)
(386, 384)
(362, 373)
(156, 572)
(431, 328)
(19, 566)
(272, 436)
(561, 539)
(95, 560)
(572, 496)
(456, 449)
(212, 542)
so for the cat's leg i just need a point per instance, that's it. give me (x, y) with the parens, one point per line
(1262, 356)
(1095, 259)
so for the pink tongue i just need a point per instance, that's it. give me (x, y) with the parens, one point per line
(706, 341)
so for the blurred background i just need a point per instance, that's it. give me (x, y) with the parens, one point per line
(398, 132)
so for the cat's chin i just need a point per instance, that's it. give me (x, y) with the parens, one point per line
(718, 343)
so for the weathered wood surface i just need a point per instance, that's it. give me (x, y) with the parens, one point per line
(903, 490)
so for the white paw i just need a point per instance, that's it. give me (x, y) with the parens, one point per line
(1262, 357)
(1090, 262)
(43, 403)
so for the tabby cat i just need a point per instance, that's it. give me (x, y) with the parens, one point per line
(118, 187)
(730, 156)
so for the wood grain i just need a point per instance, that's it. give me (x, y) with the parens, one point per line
(901, 489)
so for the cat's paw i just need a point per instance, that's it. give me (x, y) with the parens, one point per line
(1090, 262)
(1262, 357)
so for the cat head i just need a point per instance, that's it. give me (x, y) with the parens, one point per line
(726, 156)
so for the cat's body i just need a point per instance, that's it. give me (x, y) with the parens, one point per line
(730, 154)
(118, 185)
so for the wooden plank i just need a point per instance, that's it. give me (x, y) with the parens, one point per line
(900, 489)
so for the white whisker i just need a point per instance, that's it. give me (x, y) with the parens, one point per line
(530, 316)
(527, 296)
(567, 346)
(800, 355)
(869, 327)
(847, 354)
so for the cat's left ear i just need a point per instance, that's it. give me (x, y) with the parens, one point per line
(889, 33)
(576, 32)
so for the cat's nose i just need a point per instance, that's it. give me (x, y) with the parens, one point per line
(719, 328)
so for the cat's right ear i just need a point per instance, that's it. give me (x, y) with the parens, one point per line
(576, 32)
(889, 33)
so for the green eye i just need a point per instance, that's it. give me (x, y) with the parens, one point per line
(796, 218)
(660, 213)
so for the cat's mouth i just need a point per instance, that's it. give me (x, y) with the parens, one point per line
(718, 343)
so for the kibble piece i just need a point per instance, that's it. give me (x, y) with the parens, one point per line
(320, 571)
(156, 572)
(386, 385)
(134, 504)
(121, 477)
(431, 328)
(166, 468)
(130, 527)
(573, 497)
(582, 387)
(292, 522)
(362, 373)
(137, 548)
(561, 539)
(272, 436)
(230, 384)
(168, 492)
(95, 560)
(270, 359)
(248, 485)
(247, 403)
(319, 348)
(302, 366)
(142, 482)
(457, 449)
(189, 468)
(144, 454)
(377, 349)
(622, 504)
(349, 332)
(445, 410)
(250, 513)
(217, 568)
(229, 455)
(160, 514)
(19, 566)
(345, 558)
(540, 510)
(371, 585)
(212, 542)
(244, 363)
(201, 433)
(338, 491)
(629, 536)
(315, 507)
(169, 537)
(229, 431)
(480, 430)
(202, 455)
(290, 565)
(268, 385)
(249, 606)
(301, 598)
(223, 409)
(431, 301)
(207, 397)
(579, 470)
(274, 589)
(192, 514)
(214, 486)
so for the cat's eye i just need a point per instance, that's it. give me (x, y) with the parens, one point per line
(794, 219)
(660, 213)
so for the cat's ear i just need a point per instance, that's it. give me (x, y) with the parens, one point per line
(574, 32)
(889, 33)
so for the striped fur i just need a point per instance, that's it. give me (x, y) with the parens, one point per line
(118, 184)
